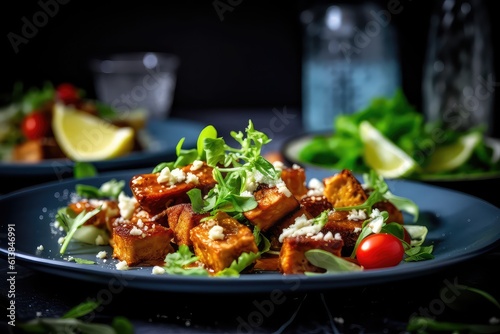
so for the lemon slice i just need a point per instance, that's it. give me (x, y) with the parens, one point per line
(448, 157)
(85, 137)
(382, 155)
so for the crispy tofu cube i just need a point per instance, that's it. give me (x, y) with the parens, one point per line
(272, 206)
(315, 204)
(155, 196)
(141, 243)
(219, 241)
(349, 230)
(292, 255)
(181, 219)
(343, 189)
(275, 231)
(295, 180)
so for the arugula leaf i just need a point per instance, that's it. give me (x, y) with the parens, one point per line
(73, 224)
(83, 169)
(332, 263)
(428, 325)
(110, 189)
(176, 263)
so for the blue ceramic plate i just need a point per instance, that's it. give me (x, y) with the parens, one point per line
(460, 227)
(162, 137)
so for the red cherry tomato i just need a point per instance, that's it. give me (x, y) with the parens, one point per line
(35, 125)
(67, 93)
(380, 250)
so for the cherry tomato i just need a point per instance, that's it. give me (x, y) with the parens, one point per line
(35, 125)
(67, 93)
(380, 250)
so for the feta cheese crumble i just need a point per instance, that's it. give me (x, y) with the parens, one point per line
(122, 265)
(216, 233)
(127, 205)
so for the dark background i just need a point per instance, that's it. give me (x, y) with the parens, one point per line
(249, 58)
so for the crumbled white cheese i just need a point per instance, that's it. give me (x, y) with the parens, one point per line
(101, 255)
(301, 226)
(39, 248)
(60, 241)
(357, 229)
(127, 205)
(216, 233)
(316, 187)
(140, 223)
(122, 265)
(192, 178)
(377, 220)
(356, 215)
(135, 231)
(197, 164)
(157, 270)
(278, 165)
(282, 188)
(296, 166)
(171, 177)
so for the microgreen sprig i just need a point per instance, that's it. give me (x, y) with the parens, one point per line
(72, 224)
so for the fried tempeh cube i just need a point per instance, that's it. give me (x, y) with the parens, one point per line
(143, 243)
(292, 255)
(155, 196)
(181, 219)
(343, 189)
(273, 205)
(219, 241)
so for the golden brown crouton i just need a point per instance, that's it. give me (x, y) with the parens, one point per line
(292, 255)
(141, 243)
(219, 241)
(181, 219)
(155, 196)
(272, 206)
(343, 189)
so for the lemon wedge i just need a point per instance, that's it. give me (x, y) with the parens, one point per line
(448, 157)
(382, 155)
(85, 137)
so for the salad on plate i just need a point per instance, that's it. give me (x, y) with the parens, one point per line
(60, 122)
(393, 138)
(219, 210)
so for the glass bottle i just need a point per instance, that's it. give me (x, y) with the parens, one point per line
(458, 79)
(350, 56)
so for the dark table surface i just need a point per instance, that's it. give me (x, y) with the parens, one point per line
(374, 308)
